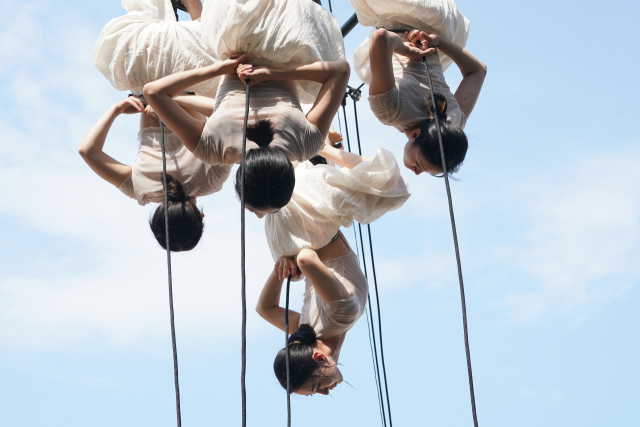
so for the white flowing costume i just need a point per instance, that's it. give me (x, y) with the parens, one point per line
(404, 106)
(145, 183)
(148, 43)
(325, 199)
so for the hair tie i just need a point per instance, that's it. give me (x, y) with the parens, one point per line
(295, 342)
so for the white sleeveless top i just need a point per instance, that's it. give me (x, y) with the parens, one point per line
(145, 182)
(221, 139)
(336, 318)
(405, 105)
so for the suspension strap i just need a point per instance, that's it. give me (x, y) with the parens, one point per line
(455, 242)
(286, 339)
(166, 231)
(242, 260)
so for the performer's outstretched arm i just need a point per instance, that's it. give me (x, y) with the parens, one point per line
(342, 158)
(473, 70)
(269, 303)
(92, 144)
(383, 46)
(334, 76)
(159, 95)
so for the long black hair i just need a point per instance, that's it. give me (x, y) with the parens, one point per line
(185, 220)
(301, 363)
(269, 176)
(454, 140)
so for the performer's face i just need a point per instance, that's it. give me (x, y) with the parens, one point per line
(326, 379)
(415, 161)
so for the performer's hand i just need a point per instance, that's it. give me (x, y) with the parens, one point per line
(414, 53)
(230, 65)
(424, 39)
(256, 75)
(335, 137)
(150, 112)
(285, 266)
(130, 105)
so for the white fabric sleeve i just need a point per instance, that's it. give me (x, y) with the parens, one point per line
(386, 106)
(127, 188)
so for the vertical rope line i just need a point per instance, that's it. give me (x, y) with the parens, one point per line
(166, 231)
(455, 242)
(376, 368)
(287, 358)
(242, 256)
(373, 362)
(330, 9)
(375, 280)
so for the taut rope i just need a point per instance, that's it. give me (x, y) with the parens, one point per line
(166, 230)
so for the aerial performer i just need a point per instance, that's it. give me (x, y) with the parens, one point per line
(146, 44)
(291, 51)
(390, 62)
(187, 177)
(305, 240)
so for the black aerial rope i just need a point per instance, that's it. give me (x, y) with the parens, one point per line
(330, 8)
(166, 231)
(376, 375)
(376, 367)
(455, 242)
(355, 95)
(286, 339)
(242, 251)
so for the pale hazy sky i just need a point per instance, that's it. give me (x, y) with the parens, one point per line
(548, 213)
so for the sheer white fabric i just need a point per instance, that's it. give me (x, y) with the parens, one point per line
(221, 140)
(441, 16)
(405, 106)
(274, 32)
(148, 43)
(326, 198)
(337, 317)
(145, 183)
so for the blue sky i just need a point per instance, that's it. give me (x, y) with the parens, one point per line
(548, 212)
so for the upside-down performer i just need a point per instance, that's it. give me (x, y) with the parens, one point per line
(291, 51)
(305, 235)
(187, 177)
(390, 62)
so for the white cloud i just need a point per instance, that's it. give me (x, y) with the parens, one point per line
(52, 96)
(582, 242)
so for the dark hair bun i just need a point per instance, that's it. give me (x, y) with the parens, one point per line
(302, 365)
(185, 219)
(261, 133)
(175, 190)
(441, 105)
(304, 335)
